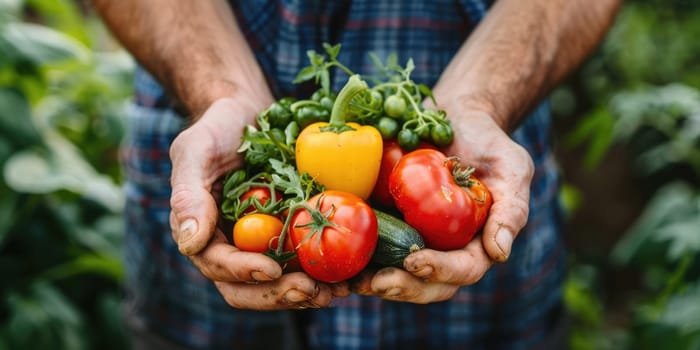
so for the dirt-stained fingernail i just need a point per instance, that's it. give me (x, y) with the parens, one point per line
(504, 240)
(294, 296)
(186, 231)
(260, 276)
(309, 305)
(393, 292)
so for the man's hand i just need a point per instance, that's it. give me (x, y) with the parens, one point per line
(201, 155)
(515, 56)
(507, 170)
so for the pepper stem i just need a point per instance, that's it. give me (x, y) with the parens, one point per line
(354, 86)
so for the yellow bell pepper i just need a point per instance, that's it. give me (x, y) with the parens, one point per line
(341, 156)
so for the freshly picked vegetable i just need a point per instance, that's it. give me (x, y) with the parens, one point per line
(341, 156)
(440, 198)
(317, 170)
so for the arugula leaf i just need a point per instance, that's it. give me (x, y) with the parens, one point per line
(286, 178)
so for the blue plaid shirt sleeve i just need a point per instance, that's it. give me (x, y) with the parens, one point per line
(513, 307)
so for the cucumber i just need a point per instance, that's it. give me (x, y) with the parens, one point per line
(397, 239)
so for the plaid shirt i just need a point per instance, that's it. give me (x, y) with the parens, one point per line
(513, 307)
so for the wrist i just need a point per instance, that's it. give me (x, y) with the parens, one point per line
(482, 105)
(198, 97)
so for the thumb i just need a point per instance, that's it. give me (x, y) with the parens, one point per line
(193, 208)
(510, 209)
(506, 219)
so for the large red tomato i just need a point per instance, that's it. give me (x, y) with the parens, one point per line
(439, 198)
(391, 154)
(336, 238)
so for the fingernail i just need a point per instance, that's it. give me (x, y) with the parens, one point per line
(260, 276)
(295, 296)
(393, 292)
(187, 230)
(310, 305)
(504, 240)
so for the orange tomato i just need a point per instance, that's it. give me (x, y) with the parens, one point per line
(257, 232)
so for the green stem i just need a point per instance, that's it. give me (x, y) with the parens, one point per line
(343, 68)
(354, 86)
(285, 151)
(674, 282)
(293, 207)
(298, 104)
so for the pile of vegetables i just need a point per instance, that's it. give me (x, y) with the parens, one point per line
(352, 178)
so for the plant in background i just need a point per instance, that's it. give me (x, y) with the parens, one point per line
(663, 126)
(641, 91)
(60, 196)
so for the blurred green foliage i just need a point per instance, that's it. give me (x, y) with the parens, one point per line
(61, 105)
(641, 91)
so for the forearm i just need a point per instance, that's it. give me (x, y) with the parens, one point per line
(194, 48)
(519, 52)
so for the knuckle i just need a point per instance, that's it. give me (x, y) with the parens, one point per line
(520, 211)
(231, 298)
(513, 214)
(180, 197)
(474, 272)
(442, 273)
(174, 229)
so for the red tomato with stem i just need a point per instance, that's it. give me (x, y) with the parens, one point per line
(440, 198)
(260, 194)
(335, 237)
(391, 154)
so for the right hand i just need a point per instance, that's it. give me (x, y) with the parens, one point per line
(201, 155)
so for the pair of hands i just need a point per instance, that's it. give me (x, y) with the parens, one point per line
(204, 152)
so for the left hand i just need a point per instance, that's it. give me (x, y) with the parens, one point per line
(507, 169)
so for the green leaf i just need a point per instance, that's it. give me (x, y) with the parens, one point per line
(43, 45)
(291, 132)
(104, 265)
(305, 74)
(410, 66)
(332, 51)
(63, 16)
(62, 167)
(233, 179)
(376, 62)
(246, 144)
(579, 297)
(45, 318)
(682, 310)
(392, 61)
(9, 9)
(571, 198)
(670, 204)
(8, 200)
(16, 119)
(683, 235)
(657, 158)
(426, 91)
(596, 129)
(287, 178)
(315, 59)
